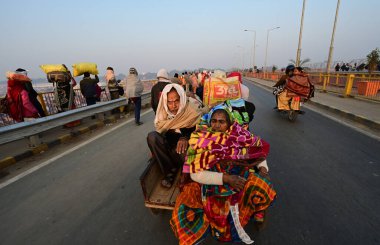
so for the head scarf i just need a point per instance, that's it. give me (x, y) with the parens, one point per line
(229, 105)
(188, 115)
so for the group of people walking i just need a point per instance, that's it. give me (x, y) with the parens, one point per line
(224, 174)
(22, 103)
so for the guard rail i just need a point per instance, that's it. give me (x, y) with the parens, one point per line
(31, 129)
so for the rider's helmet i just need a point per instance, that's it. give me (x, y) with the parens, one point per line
(289, 68)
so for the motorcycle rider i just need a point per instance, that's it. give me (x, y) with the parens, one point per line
(279, 86)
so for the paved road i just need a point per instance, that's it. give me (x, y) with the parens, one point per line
(327, 177)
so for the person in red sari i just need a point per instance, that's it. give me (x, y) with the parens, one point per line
(229, 184)
(20, 106)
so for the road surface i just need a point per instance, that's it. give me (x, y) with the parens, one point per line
(327, 177)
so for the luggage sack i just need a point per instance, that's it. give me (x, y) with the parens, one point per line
(53, 68)
(80, 68)
(299, 85)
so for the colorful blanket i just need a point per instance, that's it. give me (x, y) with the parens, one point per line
(207, 147)
(200, 211)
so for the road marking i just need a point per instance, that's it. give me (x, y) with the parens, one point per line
(41, 165)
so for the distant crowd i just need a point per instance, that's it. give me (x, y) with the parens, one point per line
(348, 67)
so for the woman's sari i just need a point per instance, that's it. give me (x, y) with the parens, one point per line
(220, 209)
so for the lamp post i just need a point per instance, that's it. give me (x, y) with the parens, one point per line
(298, 57)
(254, 49)
(242, 57)
(332, 39)
(266, 49)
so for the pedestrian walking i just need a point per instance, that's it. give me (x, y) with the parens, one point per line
(134, 91)
(88, 87)
(162, 81)
(19, 105)
(111, 83)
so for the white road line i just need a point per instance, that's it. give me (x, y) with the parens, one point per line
(41, 165)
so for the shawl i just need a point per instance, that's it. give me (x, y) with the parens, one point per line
(207, 147)
(134, 86)
(188, 115)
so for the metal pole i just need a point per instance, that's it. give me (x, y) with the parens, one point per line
(266, 49)
(332, 39)
(254, 49)
(254, 52)
(266, 54)
(298, 57)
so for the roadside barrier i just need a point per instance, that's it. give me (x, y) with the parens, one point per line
(32, 129)
(348, 84)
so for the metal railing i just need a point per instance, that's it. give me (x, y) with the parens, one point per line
(347, 84)
(32, 128)
(26, 129)
(48, 102)
(50, 106)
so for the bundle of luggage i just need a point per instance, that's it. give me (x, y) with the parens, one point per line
(299, 85)
(216, 90)
(80, 68)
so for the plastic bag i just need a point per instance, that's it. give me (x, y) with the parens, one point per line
(51, 68)
(217, 90)
(81, 68)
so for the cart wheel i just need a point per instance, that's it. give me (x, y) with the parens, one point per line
(155, 211)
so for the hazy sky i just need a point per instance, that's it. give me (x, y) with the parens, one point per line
(175, 34)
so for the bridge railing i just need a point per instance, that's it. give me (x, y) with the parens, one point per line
(31, 129)
(347, 84)
(48, 102)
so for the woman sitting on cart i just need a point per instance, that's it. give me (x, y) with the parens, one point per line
(176, 117)
(229, 172)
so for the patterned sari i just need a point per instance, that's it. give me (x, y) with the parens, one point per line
(220, 210)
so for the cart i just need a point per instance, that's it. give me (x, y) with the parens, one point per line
(156, 196)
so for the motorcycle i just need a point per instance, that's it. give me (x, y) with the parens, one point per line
(288, 106)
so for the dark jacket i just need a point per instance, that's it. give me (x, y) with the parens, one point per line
(156, 94)
(87, 86)
(172, 137)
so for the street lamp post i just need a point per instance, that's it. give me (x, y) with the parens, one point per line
(254, 49)
(266, 49)
(298, 57)
(242, 57)
(332, 39)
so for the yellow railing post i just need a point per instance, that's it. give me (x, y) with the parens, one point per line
(320, 77)
(349, 84)
(337, 79)
(328, 78)
(324, 83)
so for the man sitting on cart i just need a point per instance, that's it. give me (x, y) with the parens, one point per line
(229, 182)
(175, 120)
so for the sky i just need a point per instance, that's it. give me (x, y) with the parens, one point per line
(175, 34)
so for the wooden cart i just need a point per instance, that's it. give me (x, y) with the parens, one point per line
(157, 197)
